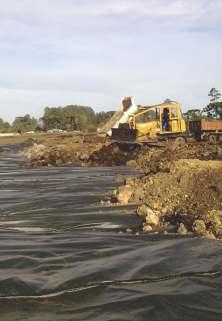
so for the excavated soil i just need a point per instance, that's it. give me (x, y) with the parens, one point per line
(154, 160)
(178, 188)
(55, 150)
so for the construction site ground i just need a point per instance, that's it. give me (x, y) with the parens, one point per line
(177, 189)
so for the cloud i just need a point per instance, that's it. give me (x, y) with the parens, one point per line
(96, 51)
(29, 12)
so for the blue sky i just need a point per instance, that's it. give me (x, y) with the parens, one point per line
(94, 52)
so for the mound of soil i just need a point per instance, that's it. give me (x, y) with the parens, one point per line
(72, 153)
(153, 160)
(113, 155)
(186, 198)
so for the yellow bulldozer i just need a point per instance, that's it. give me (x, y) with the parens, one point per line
(150, 124)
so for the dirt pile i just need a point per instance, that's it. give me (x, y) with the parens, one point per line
(72, 153)
(60, 149)
(84, 152)
(114, 155)
(179, 188)
(186, 198)
(153, 160)
(95, 150)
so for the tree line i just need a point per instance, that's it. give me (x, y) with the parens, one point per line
(213, 110)
(69, 118)
(75, 117)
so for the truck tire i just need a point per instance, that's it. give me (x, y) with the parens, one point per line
(212, 139)
(204, 137)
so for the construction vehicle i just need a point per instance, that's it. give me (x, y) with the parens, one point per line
(121, 116)
(147, 124)
(206, 129)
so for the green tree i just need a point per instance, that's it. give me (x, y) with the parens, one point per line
(192, 114)
(72, 117)
(102, 117)
(24, 124)
(214, 94)
(214, 110)
(4, 126)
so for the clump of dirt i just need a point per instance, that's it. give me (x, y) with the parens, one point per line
(186, 198)
(113, 154)
(72, 153)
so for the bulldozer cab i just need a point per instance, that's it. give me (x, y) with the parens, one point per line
(163, 119)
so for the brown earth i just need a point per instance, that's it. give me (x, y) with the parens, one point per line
(176, 194)
(60, 149)
(179, 188)
(153, 160)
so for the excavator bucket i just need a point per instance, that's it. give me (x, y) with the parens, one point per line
(120, 117)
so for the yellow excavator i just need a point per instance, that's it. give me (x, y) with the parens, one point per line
(148, 124)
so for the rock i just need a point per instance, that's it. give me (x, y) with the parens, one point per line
(151, 217)
(119, 179)
(199, 227)
(123, 194)
(142, 210)
(182, 230)
(147, 228)
(36, 151)
(214, 218)
(210, 236)
(129, 181)
(131, 163)
(84, 157)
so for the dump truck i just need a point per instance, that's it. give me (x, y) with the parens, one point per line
(162, 122)
(206, 129)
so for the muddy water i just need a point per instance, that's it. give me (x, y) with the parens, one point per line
(63, 256)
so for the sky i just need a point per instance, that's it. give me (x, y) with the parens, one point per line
(94, 52)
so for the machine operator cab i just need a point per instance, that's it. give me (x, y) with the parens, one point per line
(153, 121)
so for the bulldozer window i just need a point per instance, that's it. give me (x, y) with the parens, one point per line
(174, 112)
(150, 115)
(157, 113)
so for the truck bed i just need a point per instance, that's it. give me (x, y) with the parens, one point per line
(197, 127)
